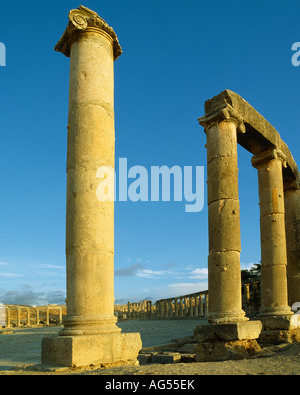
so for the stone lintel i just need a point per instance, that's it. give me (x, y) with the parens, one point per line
(107, 350)
(292, 184)
(266, 156)
(247, 330)
(259, 134)
(84, 20)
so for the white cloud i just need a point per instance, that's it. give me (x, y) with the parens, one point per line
(248, 266)
(10, 275)
(146, 273)
(28, 296)
(187, 288)
(199, 273)
(46, 266)
(129, 271)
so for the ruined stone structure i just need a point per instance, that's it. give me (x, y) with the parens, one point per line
(133, 310)
(20, 316)
(187, 306)
(229, 120)
(90, 334)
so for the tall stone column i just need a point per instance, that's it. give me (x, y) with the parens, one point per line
(28, 317)
(90, 322)
(224, 272)
(196, 305)
(8, 317)
(292, 225)
(274, 299)
(201, 306)
(181, 307)
(47, 316)
(247, 297)
(18, 317)
(60, 315)
(225, 313)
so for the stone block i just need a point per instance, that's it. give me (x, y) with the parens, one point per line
(223, 351)
(106, 350)
(144, 358)
(280, 336)
(271, 323)
(166, 358)
(204, 333)
(245, 330)
(188, 358)
(187, 348)
(238, 331)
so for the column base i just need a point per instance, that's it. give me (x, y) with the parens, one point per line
(275, 311)
(280, 322)
(280, 336)
(221, 342)
(107, 350)
(89, 325)
(227, 317)
(228, 332)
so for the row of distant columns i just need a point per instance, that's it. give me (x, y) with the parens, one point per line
(189, 305)
(224, 226)
(29, 314)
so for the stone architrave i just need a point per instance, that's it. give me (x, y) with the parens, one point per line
(90, 334)
(224, 272)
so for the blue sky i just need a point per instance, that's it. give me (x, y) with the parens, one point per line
(177, 54)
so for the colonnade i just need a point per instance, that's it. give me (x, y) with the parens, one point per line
(21, 316)
(230, 120)
(192, 305)
(93, 46)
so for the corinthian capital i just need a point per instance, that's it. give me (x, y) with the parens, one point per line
(84, 19)
(223, 113)
(266, 156)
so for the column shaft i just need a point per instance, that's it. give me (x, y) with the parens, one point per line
(272, 232)
(224, 275)
(90, 222)
(90, 333)
(292, 225)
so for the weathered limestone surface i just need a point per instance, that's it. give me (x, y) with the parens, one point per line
(274, 299)
(255, 133)
(100, 350)
(228, 332)
(225, 302)
(92, 46)
(223, 351)
(229, 120)
(292, 223)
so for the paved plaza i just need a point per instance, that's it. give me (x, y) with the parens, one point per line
(24, 346)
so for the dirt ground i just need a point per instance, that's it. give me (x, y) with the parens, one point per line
(20, 355)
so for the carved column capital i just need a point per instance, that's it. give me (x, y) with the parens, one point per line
(84, 19)
(266, 156)
(224, 113)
